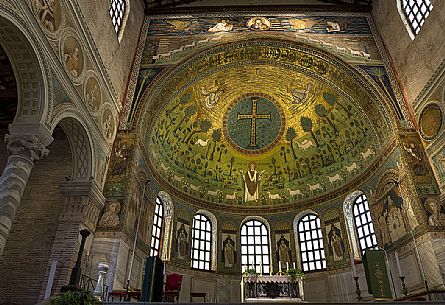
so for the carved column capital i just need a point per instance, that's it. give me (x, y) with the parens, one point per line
(83, 202)
(28, 146)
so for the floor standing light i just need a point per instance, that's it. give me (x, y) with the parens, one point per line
(77, 270)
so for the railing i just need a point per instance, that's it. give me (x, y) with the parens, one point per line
(89, 284)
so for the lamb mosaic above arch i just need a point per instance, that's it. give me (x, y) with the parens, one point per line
(261, 123)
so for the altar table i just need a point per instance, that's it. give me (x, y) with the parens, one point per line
(271, 288)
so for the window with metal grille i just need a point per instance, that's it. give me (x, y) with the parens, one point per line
(255, 247)
(311, 243)
(415, 13)
(156, 232)
(201, 242)
(117, 13)
(363, 224)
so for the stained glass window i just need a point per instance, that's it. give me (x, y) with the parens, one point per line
(363, 224)
(156, 232)
(201, 242)
(416, 12)
(255, 247)
(311, 243)
(117, 13)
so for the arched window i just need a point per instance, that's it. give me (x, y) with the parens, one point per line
(255, 247)
(201, 242)
(117, 13)
(156, 232)
(311, 243)
(363, 224)
(414, 14)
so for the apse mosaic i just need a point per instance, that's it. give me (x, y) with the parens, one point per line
(262, 123)
(171, 41)
(253, 124)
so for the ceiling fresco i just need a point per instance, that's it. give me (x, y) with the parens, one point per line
(261, 123)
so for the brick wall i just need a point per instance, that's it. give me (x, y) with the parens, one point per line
(414, 61)
(116, 56)
(24, 261)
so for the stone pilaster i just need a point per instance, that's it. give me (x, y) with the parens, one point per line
(82, 206)
(23, 150)
(168, 226)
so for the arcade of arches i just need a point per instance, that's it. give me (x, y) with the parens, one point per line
(221, 140)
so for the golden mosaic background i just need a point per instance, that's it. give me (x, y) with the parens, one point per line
(333, 125)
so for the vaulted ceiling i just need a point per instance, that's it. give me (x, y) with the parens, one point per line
(8, 91)
(301, 117)
(302, 97)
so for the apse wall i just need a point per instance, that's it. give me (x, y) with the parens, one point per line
(174, 132)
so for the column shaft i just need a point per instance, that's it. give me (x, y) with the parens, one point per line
(24, 150)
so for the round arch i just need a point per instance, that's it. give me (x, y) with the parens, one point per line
(297, 219)
(217, 194)
(214, 245)
(149, 96)
(260, 219)
(349, 220)
(80, 142)
(28, 64)
(263, 221)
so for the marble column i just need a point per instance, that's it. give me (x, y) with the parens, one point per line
(23, 151)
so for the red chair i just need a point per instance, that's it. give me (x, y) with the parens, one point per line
(172, 287)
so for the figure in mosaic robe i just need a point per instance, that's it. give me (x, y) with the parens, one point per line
(46, 13)
(72, 62)
(182, 242)
(229, 252)
(336, 243)
(251, 183)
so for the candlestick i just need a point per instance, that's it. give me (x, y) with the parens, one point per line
(261, 267)
(399, 269)
(357, 289)
(279, 266)
(287, 265)
(294, 265)
(404, 290)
